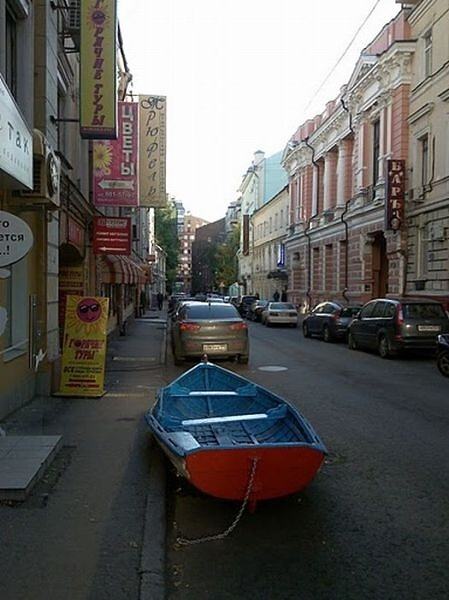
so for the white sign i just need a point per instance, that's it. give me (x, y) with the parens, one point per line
(16, 144)
(16, 239)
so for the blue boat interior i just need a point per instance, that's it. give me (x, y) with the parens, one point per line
(209, 406)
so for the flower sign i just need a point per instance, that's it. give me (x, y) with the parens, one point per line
(115, 162)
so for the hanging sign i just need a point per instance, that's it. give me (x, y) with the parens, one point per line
(395, 196)
(152, 147)
(84, 346)
(112, 235)
(115, 163)
(16, 144)
(16, 239)
(98, 97)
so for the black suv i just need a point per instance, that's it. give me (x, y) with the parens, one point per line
(391, 325)
(329, 320)
(244, 305)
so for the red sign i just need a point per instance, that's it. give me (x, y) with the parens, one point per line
(75, 234)
(115, 162)
(395, 198)
(112, 235)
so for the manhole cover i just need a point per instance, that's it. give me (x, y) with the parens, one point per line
(272, 369)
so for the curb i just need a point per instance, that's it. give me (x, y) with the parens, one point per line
(152, 562)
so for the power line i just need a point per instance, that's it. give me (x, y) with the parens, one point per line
(326, 79)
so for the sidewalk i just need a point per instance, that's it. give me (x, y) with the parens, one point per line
(81, 535)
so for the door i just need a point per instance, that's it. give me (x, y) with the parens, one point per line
(380, 266)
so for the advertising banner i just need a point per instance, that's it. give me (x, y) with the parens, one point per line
(395, 196)
(16, 238)
(152, 146)
(115, 162)
(98, 95)
(84, 347)
(112, 235)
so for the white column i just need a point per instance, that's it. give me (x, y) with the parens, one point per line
(326, 183)
(342, 164)
(314, 191)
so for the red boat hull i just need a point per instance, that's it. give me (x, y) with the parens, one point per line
(279, 471)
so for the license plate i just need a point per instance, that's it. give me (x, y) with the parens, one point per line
(430, 328)
(215, 347)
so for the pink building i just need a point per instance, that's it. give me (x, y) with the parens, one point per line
(338, 245)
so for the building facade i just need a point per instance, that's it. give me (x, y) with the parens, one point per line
(428, 190)
(204, 248)
(186, 239)
(338, 243)
(267, 250)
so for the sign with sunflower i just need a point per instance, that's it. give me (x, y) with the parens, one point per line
(98, 94)
(115, 162)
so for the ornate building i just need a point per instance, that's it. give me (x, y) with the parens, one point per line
(338, 245)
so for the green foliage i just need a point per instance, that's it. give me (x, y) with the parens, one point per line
(224, 259)
(167, 238)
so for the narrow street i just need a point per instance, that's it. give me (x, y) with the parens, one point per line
(373, 524)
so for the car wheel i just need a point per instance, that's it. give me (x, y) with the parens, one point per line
(443, 363)
(351, 342)
(383, 347)
(305, 330)
(243, 359)
(267, 323)
(327, 337)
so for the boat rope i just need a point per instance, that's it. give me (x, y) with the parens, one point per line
(220, 536)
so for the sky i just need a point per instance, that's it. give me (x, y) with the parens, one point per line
(239, 76)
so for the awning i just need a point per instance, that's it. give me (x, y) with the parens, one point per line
(121, 269)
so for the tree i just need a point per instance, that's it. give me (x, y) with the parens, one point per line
(225, 264)
(167, 238)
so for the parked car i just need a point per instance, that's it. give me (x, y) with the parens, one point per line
(215, 329)
(329, 320)
(245, 303)
(280, 313)
(391, 325)
(256, 308)
(443, 354)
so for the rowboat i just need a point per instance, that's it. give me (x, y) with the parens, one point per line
(233, 439)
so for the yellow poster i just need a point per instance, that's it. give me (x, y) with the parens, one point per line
(98, 97)
(84, 346)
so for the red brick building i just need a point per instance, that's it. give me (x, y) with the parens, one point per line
(337, 245)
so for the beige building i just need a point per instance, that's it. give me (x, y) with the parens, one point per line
(428, 201)
(186, 239)
(268, 231)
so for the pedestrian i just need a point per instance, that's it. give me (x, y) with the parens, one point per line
(160, 300)
(284, 295)
(143, 302)
(276, 296)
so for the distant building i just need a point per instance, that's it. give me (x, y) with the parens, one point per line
(186, 239)
(203, 251)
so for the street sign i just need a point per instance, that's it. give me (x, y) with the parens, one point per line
(112, 235)
(16, 239)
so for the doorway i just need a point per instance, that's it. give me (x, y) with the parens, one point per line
(380, 265)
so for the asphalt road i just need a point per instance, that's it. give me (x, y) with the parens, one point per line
(373, 524)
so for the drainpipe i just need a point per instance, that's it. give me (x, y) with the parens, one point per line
(343, 215)
(307, 229)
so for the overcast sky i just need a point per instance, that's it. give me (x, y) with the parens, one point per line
(238, 76)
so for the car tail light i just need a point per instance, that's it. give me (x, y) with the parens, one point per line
(184, 326)
(336, 315)
(238, 326)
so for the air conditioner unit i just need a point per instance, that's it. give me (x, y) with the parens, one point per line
(73, 24)
(46, 173)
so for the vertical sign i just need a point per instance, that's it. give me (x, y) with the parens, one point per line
(98, 97)
(84, 347)
(281, 255)
(245, 235)
(395, 198)
(115, 162)
(152, 146)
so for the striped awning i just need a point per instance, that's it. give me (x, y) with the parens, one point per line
(121, 269)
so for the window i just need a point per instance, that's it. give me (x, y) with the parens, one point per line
(16, 332)
(376, 150)
(379, 309)
(428, 54)
(271, 224)
(424, 143)
(423, 311)
(367, 311)
(11, 51)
